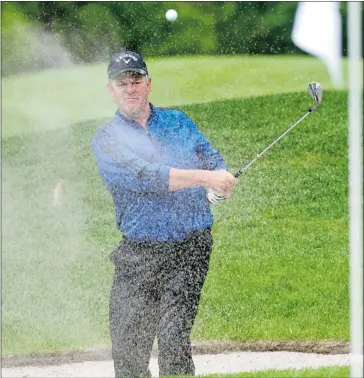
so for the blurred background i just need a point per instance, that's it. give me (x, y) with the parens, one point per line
(43, 34)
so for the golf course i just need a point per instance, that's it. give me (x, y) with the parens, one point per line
(279, 268)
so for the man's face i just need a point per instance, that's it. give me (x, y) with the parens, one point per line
(130, 92)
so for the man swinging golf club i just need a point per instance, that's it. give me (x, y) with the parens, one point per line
(157, 166)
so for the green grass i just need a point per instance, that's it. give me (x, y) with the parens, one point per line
(326, 372)
(58, 98)
(279, 270)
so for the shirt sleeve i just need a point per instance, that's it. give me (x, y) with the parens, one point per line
(120, 166)
(210, 158)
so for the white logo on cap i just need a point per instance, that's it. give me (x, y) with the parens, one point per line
(124, 56)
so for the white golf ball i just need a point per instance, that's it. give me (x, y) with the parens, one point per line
(171, 15)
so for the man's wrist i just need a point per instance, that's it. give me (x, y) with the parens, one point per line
(203, 177)
(199, 177)
(188, 178)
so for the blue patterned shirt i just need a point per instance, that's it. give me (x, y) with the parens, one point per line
(135, 162)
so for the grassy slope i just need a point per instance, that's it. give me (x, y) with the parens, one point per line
(279, 268)
(59, 98)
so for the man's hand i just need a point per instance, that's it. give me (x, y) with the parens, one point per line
(213, 197)
(221, 182)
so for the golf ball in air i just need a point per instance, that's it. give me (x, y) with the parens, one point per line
(171, 15)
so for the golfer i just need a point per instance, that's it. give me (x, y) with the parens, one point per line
(158, 167)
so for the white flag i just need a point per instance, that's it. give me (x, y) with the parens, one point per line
(317, 30)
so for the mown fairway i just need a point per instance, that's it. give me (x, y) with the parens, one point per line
(279, 269)
(327, 372)
(59, 98)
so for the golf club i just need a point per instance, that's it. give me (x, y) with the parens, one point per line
(315, 91)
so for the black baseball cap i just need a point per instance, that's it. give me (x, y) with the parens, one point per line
(126, 61)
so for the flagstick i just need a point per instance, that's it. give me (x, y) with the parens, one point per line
(355, 189)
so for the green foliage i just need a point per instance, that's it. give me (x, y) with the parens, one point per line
(26, 45)
(94, 25)
(255, 27)
(92, 31)
(16, 44)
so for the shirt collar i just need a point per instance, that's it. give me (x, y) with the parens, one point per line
(125, 119)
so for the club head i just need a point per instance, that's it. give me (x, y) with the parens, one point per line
(315, 91)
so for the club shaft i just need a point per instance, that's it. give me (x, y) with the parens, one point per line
(248, 164)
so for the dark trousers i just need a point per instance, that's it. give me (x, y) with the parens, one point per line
(156, 292)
